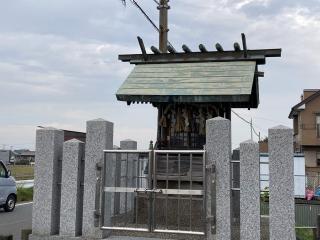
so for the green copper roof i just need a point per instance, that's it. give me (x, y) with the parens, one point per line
(189, 82)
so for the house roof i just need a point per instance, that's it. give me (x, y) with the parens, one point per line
(295, 108)
(28, 153)
(190, 82)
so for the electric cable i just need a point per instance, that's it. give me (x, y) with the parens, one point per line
(243, 119)
(146, 16)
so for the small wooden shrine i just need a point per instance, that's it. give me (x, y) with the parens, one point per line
(190, 87)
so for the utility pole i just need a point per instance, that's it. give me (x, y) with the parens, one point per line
(163, 25)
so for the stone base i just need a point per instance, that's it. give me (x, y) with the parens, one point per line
(56, 237)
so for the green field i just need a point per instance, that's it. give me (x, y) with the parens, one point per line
(22, 172)
(305, 234)
(24, 194)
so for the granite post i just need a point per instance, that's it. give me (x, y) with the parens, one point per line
(47, 177)
(72, 190)
(281, 173)
(99, 137)
(218, 148)
(249, 191)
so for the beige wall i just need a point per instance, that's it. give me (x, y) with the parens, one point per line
(308, 92)
(310, 158)
(308, 119)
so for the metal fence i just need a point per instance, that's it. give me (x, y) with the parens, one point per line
(313, 180)
(155, 191)
(305, 214)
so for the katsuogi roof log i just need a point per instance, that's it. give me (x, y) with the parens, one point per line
(259, 56)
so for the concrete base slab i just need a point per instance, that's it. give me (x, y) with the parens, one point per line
(33, 237)
(130, 238)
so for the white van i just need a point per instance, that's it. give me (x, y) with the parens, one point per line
(8, 189)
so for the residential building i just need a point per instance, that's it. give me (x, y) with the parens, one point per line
(5, 156)
(25, 157)
(306, 126)
(264, 146)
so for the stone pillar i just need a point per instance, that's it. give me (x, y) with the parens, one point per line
(99, 137)
(218, 146)
(132, 165)
(47, 179)
(249, 191)
(281, 173)
(72, 188)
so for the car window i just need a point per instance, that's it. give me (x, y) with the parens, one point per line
(2, 171)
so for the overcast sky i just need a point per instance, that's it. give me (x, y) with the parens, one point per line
(59, 67)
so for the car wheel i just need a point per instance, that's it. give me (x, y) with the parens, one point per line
(10, 204)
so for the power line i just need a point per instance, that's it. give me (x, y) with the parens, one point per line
(267, 119)
(250, 123)
(146, 16)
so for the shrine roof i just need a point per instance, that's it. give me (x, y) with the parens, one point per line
(224, 77)
(221, 82)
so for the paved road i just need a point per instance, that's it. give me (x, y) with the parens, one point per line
(12, 223)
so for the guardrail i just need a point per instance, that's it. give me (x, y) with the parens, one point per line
(25, 183)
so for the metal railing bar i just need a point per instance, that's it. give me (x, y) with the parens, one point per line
(152, 184)
(138, 174)
(190, 202)
(179, 186)
(179, 232)
(179, 151)
(127, 151)
(181, 192)
(138, 186)
(126, 193)
(204, 187)
(125, 229)
(167, 186)
(103, 194)
(115, 182)
(175, 198)
(306, 227)
(136, 210)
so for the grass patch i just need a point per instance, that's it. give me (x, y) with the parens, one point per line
(304, 234)
(24, 194)
(22, 172)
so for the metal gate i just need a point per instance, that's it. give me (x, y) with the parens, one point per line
(154, 191)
